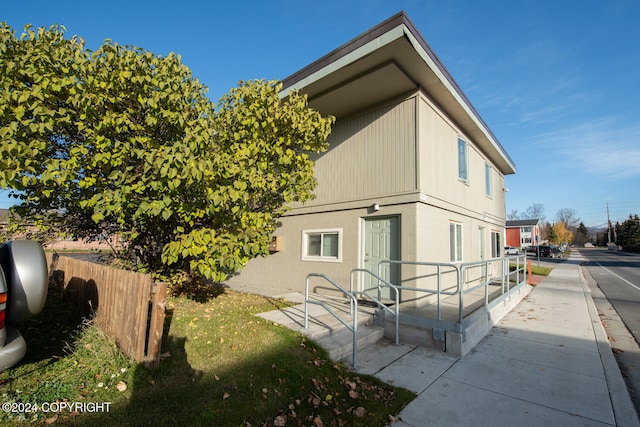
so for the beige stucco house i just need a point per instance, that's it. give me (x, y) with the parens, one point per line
(412, 172)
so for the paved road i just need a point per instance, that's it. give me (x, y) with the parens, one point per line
(617, 275)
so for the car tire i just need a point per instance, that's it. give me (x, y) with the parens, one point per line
(25, 270)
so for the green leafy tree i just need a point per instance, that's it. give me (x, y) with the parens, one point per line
(548, 232)
(628, 233)
(122, 141)
(582, 234)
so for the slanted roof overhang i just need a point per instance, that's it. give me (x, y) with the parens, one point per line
(523, 222)
(389, 60)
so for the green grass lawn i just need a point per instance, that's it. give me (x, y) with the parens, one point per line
(537, 270)
(221, 366)
(540, 271)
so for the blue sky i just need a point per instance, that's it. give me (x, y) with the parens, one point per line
(557, 81)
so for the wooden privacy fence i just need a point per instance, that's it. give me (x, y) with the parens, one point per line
(126, 305)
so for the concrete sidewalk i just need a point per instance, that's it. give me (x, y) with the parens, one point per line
(547, 362)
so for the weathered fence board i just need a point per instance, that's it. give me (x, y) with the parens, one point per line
(126, 305)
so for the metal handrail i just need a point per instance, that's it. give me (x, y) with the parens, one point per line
(439, 292)
(354, 311)
(518, 267)
(459, 269)
(378, 301)
(486, 280)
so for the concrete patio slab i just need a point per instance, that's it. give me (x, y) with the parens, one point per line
(417, 369)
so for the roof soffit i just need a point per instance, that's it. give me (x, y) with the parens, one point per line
(387, 61)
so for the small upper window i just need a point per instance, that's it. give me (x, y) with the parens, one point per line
(487, 180)
(463, 161)
(322, 245)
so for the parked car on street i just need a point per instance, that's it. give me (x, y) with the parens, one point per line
(557, 252)
(510, 250)
(23, 292)
(531, 250)
(545, 251)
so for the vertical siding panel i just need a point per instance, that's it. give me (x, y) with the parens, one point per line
(370, 155)
(438, 136)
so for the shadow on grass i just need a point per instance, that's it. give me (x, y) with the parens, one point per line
(276, 374)
(198, 291)
(292, 381)
(48, 334)
(243, 394)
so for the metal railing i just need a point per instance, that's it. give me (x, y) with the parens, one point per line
(353, 304)
(471, 281)
(438, 291)
(520, 268)
(378, 301)
(469, 277)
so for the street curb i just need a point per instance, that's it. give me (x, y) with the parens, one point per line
(623, 408)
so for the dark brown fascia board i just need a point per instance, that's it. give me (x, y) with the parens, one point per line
(521, 222)
(396, 20)
(345, 49)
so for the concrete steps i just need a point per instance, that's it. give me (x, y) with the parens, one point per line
(326, 330)
(417, 325)
(340, 345)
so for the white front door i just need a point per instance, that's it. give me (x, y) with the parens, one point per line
(381, 242)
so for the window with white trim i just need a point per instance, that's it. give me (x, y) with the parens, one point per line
(488, 181)
(463, 160)
(495, 244)
(455, 241)
(322, 245)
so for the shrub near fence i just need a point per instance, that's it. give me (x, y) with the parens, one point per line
(127, 305)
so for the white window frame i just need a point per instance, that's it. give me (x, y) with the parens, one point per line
(322, 232)
(482, 240)
(496, 244)
(463, 160)
(488, 176)
(456, 239)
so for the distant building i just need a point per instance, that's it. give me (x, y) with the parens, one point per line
(523, 233)
(65, 244)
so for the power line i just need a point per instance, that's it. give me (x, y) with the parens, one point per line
(594, 215)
